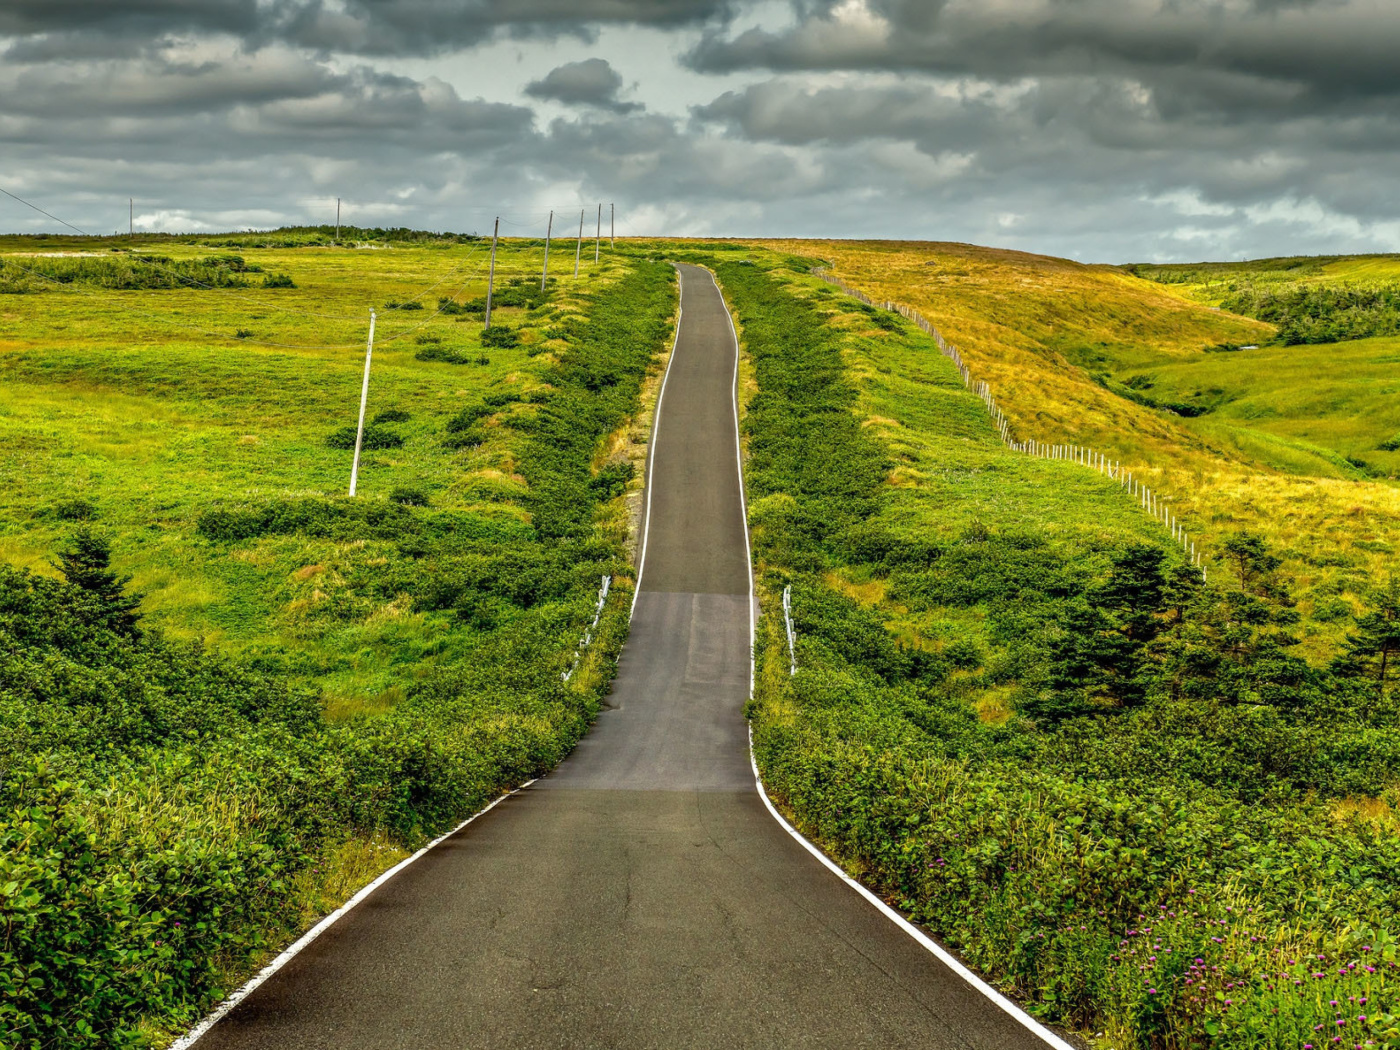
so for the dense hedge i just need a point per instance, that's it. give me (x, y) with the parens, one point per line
(1312, 313)
(1147, 845)
(158, 802)
(127, 271)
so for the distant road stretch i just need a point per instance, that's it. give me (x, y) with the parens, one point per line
(641, 896)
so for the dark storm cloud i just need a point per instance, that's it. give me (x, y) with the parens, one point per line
(367, 27)
(1326, 52)
(1106, 129)
(592, 82)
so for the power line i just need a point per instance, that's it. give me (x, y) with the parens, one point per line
(41, 211)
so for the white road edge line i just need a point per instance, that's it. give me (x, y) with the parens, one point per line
(1006, 1005)
(651, 443)
(193, 1035)
(743, 493)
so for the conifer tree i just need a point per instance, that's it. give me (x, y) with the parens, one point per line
(85, 563)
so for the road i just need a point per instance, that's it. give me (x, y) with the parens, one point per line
(641, 896)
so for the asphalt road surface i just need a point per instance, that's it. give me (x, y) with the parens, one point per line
(641, 896)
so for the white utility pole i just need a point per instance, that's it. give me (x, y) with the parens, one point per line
(130, 218)
(337, 220)
(598, 242)
(578, 252)
(491, 278)
(364, 399)
(544, 274)
(612, 225)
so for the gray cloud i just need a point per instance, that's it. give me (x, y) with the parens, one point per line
(1097, 129)
(363, 27)
(1328, 52)
(592, 82)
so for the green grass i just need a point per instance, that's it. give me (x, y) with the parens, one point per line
(365, 673)
(114, 397)
(1298, 409)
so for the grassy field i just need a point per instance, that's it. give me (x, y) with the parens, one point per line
(1288, 442)
(145, 405)
(1020, 718)
(311, 685)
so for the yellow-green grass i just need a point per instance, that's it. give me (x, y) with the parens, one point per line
(120, 399)
(951, 475)
(1038, 329)
(1213, 282)
(1298, 409)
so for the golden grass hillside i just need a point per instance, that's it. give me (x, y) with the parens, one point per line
(1039, 329)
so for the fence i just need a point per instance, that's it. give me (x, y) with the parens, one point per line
(1080, 454)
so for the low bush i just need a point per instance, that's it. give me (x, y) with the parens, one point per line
(374, 438)
(500, 337)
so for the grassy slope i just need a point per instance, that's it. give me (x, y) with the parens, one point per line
(1033, 850)
(1038, 328)
(109, 398)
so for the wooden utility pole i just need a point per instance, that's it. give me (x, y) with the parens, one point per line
(598, 237)
(612, 225)
(491, 277)
(130, 218)
(337, 220)
(364, 398)
(578, 252)
(544, 274)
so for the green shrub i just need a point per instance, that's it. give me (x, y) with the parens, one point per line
(500, 337)
(391, 415)
(374, 439)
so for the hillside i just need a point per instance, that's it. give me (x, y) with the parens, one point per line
(1097, 356)
(1021, 717)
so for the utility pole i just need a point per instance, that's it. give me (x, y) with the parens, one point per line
(544, 274)
(130, 218)
(491, 277)
(612, 226)
(364, 399)
(598, 242)
(578, 252)
(337, 220)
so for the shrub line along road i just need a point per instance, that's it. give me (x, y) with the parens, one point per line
(640, 896)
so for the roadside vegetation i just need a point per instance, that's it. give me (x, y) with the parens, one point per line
(1019, 717)
(229, 695)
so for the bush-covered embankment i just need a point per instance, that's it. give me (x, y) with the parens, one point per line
(164, 811)
(1114, 790)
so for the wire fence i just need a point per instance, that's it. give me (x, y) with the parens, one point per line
(1149, 501)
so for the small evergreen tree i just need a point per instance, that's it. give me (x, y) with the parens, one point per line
(85, 564)
(1375, 645)
(1253, 564)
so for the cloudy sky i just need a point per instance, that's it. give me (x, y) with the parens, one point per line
(1105, 130)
